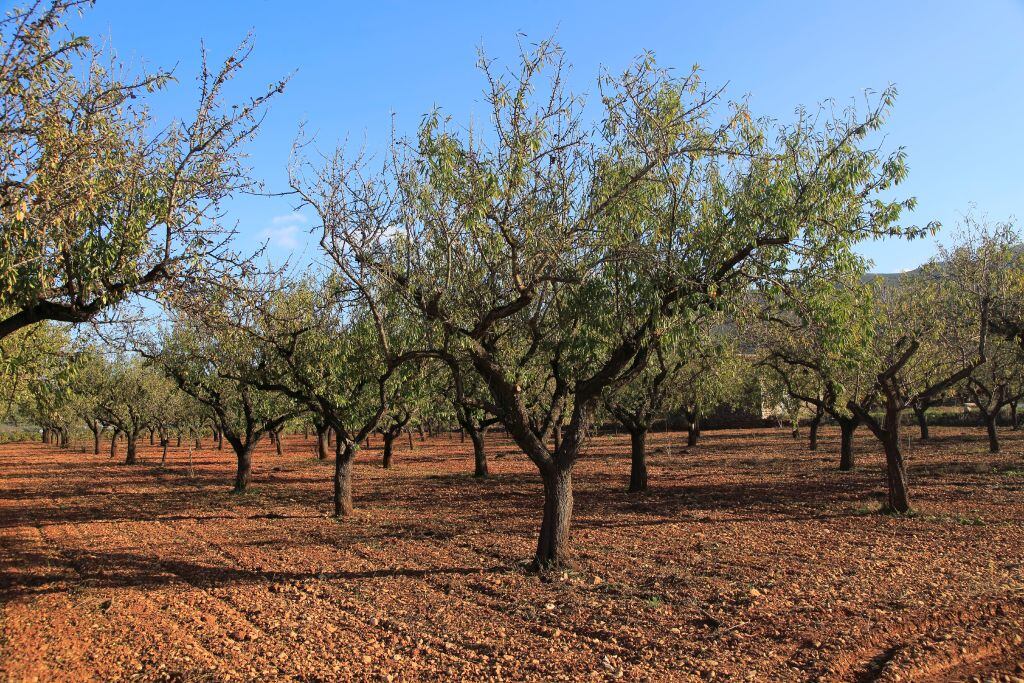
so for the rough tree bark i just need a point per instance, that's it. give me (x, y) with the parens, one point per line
(896, 469)
(344, 454)
(131, 456)
(921, 413)
(819, 413)
(638, 458)
(321, 442)
(692, 427)
(554, 528)
(990, 428)
(243, 472)
(847, 426)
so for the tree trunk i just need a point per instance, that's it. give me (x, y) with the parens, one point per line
(1014, 425)
(896, 469)
(199, 443)
(389, 440)
(812, 439)
(638, 466)
(65, 438)
(277, 443)
(220, 439)
(344, 454)
(480, 468)
(321, 443)
(557, 430)
(130, 454)
(113, 444)
(179, 440)
(151, 440)
(243, 473)
(846, 430)
(163, 458)
(692, 430)
(920, 413)
(552, 547)
(96, 440)
(993, 435)
(409, 432)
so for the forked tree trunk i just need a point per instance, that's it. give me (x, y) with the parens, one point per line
(130, 454)
(344, 454)
(846, 429)
(552, 547)
(389, 440)
(921, 413)
(65, 439)
(993, 435)
(638, 462)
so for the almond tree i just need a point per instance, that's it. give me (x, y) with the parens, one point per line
(546, 255)
(714, 374)
(332, 357)
(468, 398)
(220, 367)
(929, 333)
(815, 345)
(99, 200)
(125, 401)
(996, 384)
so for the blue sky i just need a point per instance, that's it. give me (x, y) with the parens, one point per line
(959, 67)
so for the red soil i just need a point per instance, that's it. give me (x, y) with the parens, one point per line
(750, 559)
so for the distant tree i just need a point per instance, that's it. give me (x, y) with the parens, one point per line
(815, 346)
(47, 396)
(996, 384)
(125, 401)
(98, 200)
(714, 374)
(331, 357)
(220, 367)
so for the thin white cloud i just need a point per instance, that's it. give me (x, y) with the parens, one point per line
(284, 230)
(293, 218)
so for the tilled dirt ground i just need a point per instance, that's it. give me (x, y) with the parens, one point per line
(751, 558)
